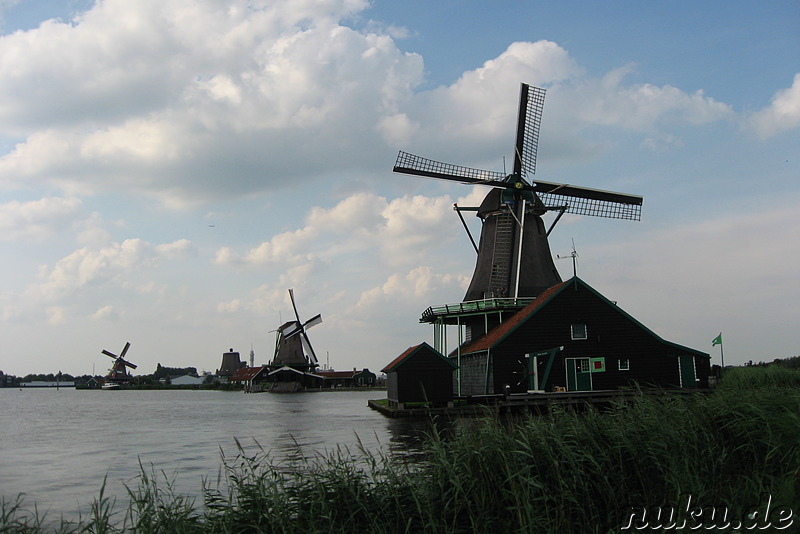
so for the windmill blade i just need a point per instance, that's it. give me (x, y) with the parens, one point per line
(297, 315)
(127, 363)
(531, 104)
(109, 354)
(312, 322)
(307, 346)
(127, 346)
(587, 201)
(418, 166)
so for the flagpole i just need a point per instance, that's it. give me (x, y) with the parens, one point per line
(718, 341)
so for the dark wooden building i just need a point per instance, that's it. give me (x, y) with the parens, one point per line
(420, 374)
(347, 379)
(573, 338)
(250, 377)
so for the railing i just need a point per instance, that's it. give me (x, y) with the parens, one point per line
(474, 306)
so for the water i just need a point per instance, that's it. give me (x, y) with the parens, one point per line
(57, 446)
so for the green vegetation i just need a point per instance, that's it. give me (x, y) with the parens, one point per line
(565, 472)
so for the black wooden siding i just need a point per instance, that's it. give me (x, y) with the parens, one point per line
(423, 376)
(611, 334)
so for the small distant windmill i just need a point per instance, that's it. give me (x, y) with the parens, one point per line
(118, 374)
(294, 359)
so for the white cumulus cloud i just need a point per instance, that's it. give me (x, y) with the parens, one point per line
(37, 219)
(782, 114)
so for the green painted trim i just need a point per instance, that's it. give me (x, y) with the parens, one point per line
(546, 375)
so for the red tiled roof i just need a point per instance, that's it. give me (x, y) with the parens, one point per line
(400, 358)
(496, 334)
(337, 374)
(411, 350)
(246, 373)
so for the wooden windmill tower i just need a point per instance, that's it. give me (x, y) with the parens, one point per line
(118, 374)
(294, 361)
(514, 263)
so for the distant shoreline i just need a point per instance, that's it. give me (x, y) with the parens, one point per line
(221, 387)
(46, 385)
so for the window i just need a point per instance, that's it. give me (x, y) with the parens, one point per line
(624, 364)
(598, 365)
(578, 331)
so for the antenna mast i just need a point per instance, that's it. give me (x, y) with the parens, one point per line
(574, 256)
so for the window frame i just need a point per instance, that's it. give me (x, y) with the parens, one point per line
(574, 336)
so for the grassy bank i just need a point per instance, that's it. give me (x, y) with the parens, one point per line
(565, 472)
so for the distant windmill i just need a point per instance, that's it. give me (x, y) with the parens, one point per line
(118, 374)
(514, 258)
(292, 346)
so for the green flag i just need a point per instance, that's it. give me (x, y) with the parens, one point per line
(717, 340)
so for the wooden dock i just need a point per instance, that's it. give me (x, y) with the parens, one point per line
(526, 402)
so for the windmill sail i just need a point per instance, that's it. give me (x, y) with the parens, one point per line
(554, 196)
(531, 105)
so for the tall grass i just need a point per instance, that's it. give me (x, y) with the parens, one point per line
(565, 472)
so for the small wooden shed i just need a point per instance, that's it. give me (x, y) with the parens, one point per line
(420, 374)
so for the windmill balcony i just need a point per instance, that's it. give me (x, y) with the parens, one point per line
(472, 307)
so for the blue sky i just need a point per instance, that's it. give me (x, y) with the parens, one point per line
(168, 169)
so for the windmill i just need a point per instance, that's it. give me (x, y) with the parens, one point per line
(294, 359)
(514, 259)
(118, 374)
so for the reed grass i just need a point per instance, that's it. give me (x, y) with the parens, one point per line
(564, 472)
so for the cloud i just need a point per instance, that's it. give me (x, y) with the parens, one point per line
(286, 248)
(781, 115)
(387, 314)
(730, 272)
(417, 285)
(92, 231)
(55, 315)
(480, 107)
(399, 232)
(639, 107)
(38, 219)
(224, 101)
(356, 241)
(105, 313)
(219, 100)
(182, 248)
(93, 267)
(118, 263)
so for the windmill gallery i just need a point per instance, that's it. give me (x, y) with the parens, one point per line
(520, 328)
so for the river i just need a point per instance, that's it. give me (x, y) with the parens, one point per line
(56, 446)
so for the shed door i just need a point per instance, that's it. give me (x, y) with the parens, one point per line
(579, 376)
(687, 371)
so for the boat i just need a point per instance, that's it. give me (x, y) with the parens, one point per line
(110, 386)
